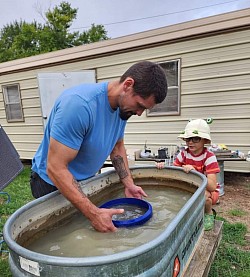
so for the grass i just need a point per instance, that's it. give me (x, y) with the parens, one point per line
(231, 259)
(237, 212)
(20, 194)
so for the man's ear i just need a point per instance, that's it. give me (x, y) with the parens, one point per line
(128, 84)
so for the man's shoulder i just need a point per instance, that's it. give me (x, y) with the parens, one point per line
(82, 95)
(86, 90)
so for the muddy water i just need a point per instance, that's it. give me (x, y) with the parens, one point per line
(78, 239)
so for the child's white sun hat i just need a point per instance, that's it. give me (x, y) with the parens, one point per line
(197, 128)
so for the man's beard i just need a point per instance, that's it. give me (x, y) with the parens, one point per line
(125, 115)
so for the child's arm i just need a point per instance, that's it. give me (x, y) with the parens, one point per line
(211, 182)
(188, 167)
(160, 164)
(211, 178)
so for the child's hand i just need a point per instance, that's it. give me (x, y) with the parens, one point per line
(160, 165)
(187, 168)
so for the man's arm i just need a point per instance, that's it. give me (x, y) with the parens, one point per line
(59, 156)
(120, 162)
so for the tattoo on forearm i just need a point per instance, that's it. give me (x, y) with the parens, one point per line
(78, 187)
(119, 165)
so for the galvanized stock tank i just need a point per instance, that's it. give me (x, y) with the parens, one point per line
(166, 255)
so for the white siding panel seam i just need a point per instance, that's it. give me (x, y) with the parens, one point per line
(216, 91)
(217, 61)
(246, 131)
(238, 145)
(17, 80)
(31, 106)
(26, 142)
(215, 105)
(30, 97)
(216, 76)
(26, 150)
(151, 132)
(184, 119)
(10, 132)
(29, 88)
(37, 115)
(21, 125)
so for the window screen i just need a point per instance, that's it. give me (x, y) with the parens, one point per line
(171, 104)
(12, 102)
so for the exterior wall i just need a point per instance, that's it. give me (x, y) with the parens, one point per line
(215, 82)
(24, 135)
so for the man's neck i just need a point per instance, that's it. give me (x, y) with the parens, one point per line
(113, 94)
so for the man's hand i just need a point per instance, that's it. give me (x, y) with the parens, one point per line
(134, 192)
(102, 221)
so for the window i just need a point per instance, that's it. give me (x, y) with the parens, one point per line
(171, 104)
(12, 102)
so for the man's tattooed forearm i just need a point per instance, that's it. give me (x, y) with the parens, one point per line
(78, 187)
(119, 165)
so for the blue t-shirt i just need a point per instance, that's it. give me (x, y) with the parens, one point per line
(82, 119)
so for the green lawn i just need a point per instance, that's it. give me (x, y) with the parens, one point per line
(231, 259)
(20, 194)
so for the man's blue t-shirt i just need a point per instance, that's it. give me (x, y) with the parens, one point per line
(82, 119)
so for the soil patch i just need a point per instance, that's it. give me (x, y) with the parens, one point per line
(234, 205)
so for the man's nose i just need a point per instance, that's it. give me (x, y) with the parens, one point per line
(139, 112)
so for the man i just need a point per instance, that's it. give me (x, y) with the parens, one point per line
(85, 126)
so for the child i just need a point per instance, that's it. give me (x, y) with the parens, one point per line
(197, 157)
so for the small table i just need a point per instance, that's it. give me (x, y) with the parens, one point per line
(149, 159)
(220, 176)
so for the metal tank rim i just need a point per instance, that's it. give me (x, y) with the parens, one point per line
(95, 260)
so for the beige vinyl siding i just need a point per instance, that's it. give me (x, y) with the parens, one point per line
(27, 135)
(215, 82)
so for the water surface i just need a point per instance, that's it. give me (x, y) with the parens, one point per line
(77, 238)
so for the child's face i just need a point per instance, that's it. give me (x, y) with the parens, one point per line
(195, 144)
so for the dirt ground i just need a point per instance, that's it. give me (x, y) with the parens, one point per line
(234, 205)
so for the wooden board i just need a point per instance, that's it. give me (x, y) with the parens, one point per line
(205, 252)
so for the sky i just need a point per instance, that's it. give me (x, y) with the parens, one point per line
(120, 18)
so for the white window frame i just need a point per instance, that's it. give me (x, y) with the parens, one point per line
(9, 104)
(162, 106)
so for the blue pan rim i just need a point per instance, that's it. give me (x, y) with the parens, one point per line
(131, 201)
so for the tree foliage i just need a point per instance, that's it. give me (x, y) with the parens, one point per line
(22, 39)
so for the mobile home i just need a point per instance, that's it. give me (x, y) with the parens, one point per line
(207, 62)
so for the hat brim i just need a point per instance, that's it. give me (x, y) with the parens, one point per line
(191, 135)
